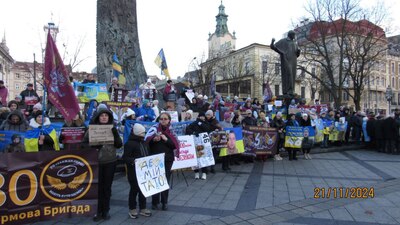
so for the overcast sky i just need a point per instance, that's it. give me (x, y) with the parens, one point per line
(181, 27)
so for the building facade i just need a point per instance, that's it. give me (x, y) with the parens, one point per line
(6, 62)
(21, 74)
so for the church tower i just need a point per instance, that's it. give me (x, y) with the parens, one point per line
(221, 42)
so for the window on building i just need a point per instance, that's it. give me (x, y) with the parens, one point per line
(277, 68)
(313, 71)
(276, 89)
(373, 80)
(247, 67)
(245, 87)
(234, 88)
(17, 76)
(392, 84)
(392, 69)
(303, 92)
(264, 67)
(222, 88)
(346, 96)
(17, 86)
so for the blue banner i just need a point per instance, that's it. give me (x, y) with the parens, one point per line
(295, 135)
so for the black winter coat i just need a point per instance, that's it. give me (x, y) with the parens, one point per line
(134, 148)
(167, 147)
(390, 129)
(197, 127)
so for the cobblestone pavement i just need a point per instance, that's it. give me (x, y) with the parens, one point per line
(275, 192)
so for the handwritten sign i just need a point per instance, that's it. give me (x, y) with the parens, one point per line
(150, 174)
(203, 151)
(187, 153)
(100, 134)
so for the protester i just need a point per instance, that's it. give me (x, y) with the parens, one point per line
(3, 94)
(169, 94)
(226, 124)
(16, 144)
(161, 139)
(156, 109)
(279, 124)
(47, 140)
(114, 85)
(29, 98)
(135, 148)
(107, 163)
(292, 122)
(249, 120)
(390, 133)
(146, 113)
(188, 116)
(214, 126)
(197, 127)
(89, 79)
(306, 144)
(15, 122)
(194, 106)
(77, 121)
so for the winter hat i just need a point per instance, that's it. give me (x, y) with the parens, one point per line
(114, 78)
(139, 130)
(248, 111)
(15, 136)
(236, 98)
(101, 106)
(304, 114)
(210, 112)
(145, 102)
(202, 114)
(205, 97)
(38, 106)
(149, 80)
(227, 115)
(18, 96)
(199, 96)
(129, 112)
(279, 114)
(190, 112)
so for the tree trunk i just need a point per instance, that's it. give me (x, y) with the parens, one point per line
(117, 33)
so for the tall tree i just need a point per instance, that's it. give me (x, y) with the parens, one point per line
(327, 37)
(117, 33)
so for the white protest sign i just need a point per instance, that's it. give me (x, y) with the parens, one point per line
(150, 174)
(204, 151)
(174, 116)
(189, 94)
(278, 103)
(187, 153)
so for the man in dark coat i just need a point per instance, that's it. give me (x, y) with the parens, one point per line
(390, 133)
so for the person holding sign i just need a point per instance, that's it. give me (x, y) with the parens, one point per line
(135, 148)
(107, 163)
(294, 123)
(162, 140)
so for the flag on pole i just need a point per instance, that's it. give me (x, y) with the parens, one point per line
(56, 81)
(162, 63)
(117, 68)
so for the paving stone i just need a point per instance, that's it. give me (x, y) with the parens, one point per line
(246, 215)
(287, 206)
(287, 215)
(231, 219)
(274, 209)
(261, 212)
(273, 218)
(258, 221)
(213, 222)
(341, 214)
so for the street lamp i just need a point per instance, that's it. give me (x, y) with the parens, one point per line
(389, 94)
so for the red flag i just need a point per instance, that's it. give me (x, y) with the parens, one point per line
(59, 89)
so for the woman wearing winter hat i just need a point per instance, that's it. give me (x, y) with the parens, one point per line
(135, 148)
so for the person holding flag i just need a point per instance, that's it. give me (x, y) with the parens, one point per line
(161, 62)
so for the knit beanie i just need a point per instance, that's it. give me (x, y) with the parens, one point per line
(139, 130)
(210, 112)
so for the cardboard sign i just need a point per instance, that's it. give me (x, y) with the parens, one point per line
(101, 134)
(30, 100)
(150, 174)
(278, 103)
(72, 135)
(189, 94)
(187, 153)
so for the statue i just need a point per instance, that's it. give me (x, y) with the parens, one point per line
(288, 50)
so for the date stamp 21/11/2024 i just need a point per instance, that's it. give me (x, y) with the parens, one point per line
(344, 192)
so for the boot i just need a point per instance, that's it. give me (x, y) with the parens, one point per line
(294, 154)
(290, 153)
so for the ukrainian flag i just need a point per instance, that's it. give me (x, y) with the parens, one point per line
(31, 140)
(117, 68)
(161, 62)
(237, 131)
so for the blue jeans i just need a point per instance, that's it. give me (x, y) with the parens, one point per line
(325, 141)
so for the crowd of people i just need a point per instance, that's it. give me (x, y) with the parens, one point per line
(25, 112)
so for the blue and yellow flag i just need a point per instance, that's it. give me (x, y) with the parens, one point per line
(162, 63)
(31, 140)
(117, 68)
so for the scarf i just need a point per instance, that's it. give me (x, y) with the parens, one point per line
(154, 130)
